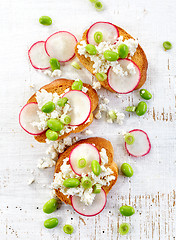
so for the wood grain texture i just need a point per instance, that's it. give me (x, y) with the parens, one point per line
(152, 189)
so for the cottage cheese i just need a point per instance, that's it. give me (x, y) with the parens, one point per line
(86, 196)
(100, 63)
(43, 97)
(55, 73)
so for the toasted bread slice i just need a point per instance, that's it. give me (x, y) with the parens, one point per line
(59, 86)
(99, 144)
(139, 58)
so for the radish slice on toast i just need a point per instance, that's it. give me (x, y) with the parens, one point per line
(97, 206)
(141, 145)
(81, 107)
(110, 32)
(86, 151)
(28, 114)
(61, 45)
(129, 81)
(38, 56)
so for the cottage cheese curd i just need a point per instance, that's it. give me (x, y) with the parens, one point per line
(100, 63)
(86, 196)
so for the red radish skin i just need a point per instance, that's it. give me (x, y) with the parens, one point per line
(93, 25)
(29, 51)
(70, 162)
(134, 86)
(21, 123)
(149, 148)
(92, 215)
(59, 33)
(89, 110)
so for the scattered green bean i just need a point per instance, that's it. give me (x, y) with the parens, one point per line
(127, 211)
(123, 50)
(48, 107)
(145, 94)
(110, 55)
(55, 124)
(71, 182)
(50, 206)
(127, 170)
(91, 49)
(51, 223)
(52, 135)
(62, 101)
(96, 168)
(98, 5)
(141, 108)
(45, 20)
(77, 85)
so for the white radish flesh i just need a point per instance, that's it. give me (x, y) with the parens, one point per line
(61, 45)
(110, 32)
(141, 145)
(38, 56)
(28, 114)
(81, 107)
(86, 151)
(97, 206)
(124, 84)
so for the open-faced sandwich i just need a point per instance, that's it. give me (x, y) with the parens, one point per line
(113, 56)
(59, 109)
(84, 175)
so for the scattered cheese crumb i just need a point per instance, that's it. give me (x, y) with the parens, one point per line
(84, 89)
(30, 181)
(48, 73)
(88, 132)
(96, 85)
(56, 73)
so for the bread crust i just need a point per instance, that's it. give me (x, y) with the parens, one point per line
(139, 58)
(99, 144)
(59, 86)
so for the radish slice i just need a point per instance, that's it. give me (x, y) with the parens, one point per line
(81, 107)
(124, 84)
(97, 206)
(61, 45)
(141, 145)
(38, 57)
(110, 32)
(28, 114)
(86, 151)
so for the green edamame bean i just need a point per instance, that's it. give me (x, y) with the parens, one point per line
(91, 49)
(110, 55)
(77, 85)
(55, 124)
(123, 50)
(50, 206)
(51, 135)
(141, 108)
(51, 222)
(45, 20)
(71, 182)
(96, 168)
(54, 63)
(127, 170)
(145, 94)
(62, 101)
(48, 107)
(127, 211)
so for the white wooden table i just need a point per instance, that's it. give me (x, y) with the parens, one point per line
(152, 189)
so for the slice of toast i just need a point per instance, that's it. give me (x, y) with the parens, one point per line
(59, 86)
(139, 58)
(99, 144)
